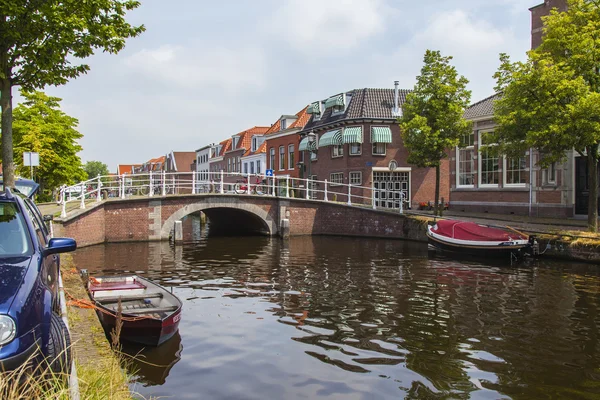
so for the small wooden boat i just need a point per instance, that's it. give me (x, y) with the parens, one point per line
(150, 314)
(469, 238)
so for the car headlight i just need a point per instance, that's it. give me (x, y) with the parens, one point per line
(8, 329)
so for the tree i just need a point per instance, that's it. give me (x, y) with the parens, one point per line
(40, 39)
(432, 120)
(551, 102)
(40, 126)
(95, 168)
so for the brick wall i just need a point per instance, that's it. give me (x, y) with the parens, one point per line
(536, 18)
(285, 141)
(130, 220)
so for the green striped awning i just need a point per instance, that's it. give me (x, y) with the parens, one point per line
(337, 100)
(331, 138)
(381, 134)
(306, 146)
(353, 135)
(314, 108)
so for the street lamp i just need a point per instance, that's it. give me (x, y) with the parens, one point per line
(311, 136)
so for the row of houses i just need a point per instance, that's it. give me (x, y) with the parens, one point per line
(353, 138)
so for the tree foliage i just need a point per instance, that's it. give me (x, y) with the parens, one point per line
(95, 168)
(40, 40)
(432, 120)
(40, 126)
(551, 102)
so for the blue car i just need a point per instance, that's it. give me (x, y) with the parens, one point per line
(30, 321)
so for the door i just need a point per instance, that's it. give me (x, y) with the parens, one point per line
(390, 188)
(582, 192)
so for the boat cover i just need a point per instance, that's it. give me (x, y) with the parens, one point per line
(472, 231)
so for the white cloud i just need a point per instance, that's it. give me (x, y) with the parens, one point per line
(318, 27)
(473, 43)
(197, 67)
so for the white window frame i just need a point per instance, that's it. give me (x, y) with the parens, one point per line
(245, 167)
(282, 124)
(471, 148)
(336, 178)
(291, 149)
(546, 175)
(258, 167)
(281, 158)
(350, 149)
(374, 145)
(272, 158)
(252, 167)
(505, 172)
(352, 181)
(337, 151)
(480, 159)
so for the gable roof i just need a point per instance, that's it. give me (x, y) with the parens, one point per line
(126, 168)
(303, 117)
(364, 103)
(483, 108)
(225, 146)
(246, 136)
(261, 149)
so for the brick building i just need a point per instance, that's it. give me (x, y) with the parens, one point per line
(359, 143)
(482, 182)
(539, 11)
(178, 166)
(283, 155)
(240, 143)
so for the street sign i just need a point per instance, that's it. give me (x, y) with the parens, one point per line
(269, 172)
(31, 159)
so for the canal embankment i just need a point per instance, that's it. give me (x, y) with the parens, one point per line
(99, 370)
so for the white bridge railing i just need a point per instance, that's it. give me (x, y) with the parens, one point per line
(154, 184)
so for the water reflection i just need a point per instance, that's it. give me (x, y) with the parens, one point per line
(325, 317)
(152, 365)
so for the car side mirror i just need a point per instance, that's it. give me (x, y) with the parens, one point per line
(60, 245)
(48, 217)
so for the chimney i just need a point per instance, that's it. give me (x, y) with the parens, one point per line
(396, 112)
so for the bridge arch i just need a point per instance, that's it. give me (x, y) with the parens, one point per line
(258, 213)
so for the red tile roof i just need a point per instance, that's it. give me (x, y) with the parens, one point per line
(276, 127)
(246, 136)
(303, 117)
(226, 146)
(261, 149)
(126, 168)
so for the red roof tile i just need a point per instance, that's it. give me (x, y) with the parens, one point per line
(126, 168)
(226, 146)
(303, 117)
(184, 160)
(246, 136)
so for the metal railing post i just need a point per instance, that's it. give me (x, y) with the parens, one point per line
(82, 205)
(151, 190)
(325, 196)
(307, 188)
(193, 183)
(63, 211)
(373, 199)
(122, 187)
(287, 186)
(349, 195)
(164, 183)
(401, 203)
(98, 193)
(173, 186)
(248, 184)
(222, 183)
(273, 185)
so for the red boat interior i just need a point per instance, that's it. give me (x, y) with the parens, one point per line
(472, 231)
(115, 285)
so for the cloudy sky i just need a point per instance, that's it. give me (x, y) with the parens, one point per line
(205, 70)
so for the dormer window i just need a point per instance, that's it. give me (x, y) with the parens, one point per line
(254, 144)
(235, 141)
(337, 104)
(315, 110)
(282, 124)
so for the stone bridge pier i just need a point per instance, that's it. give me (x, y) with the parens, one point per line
(153, 219)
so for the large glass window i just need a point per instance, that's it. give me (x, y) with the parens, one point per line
(466, 161)
(337, 151)
(489, 163)
(272, 158)
(355, 149)
(336, 178)
(355, 178)
(516, 173)
(379, 149)
(291, 156)
(258, 170)
(252, 168)
(281, 158)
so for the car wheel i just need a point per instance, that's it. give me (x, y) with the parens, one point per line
(59, 346)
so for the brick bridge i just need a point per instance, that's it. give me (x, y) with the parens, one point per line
(150, 219)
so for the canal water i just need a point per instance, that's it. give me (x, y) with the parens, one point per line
(354, 318)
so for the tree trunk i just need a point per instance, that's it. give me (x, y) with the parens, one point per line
(8, 165)
(592, 160)
(436, 206)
